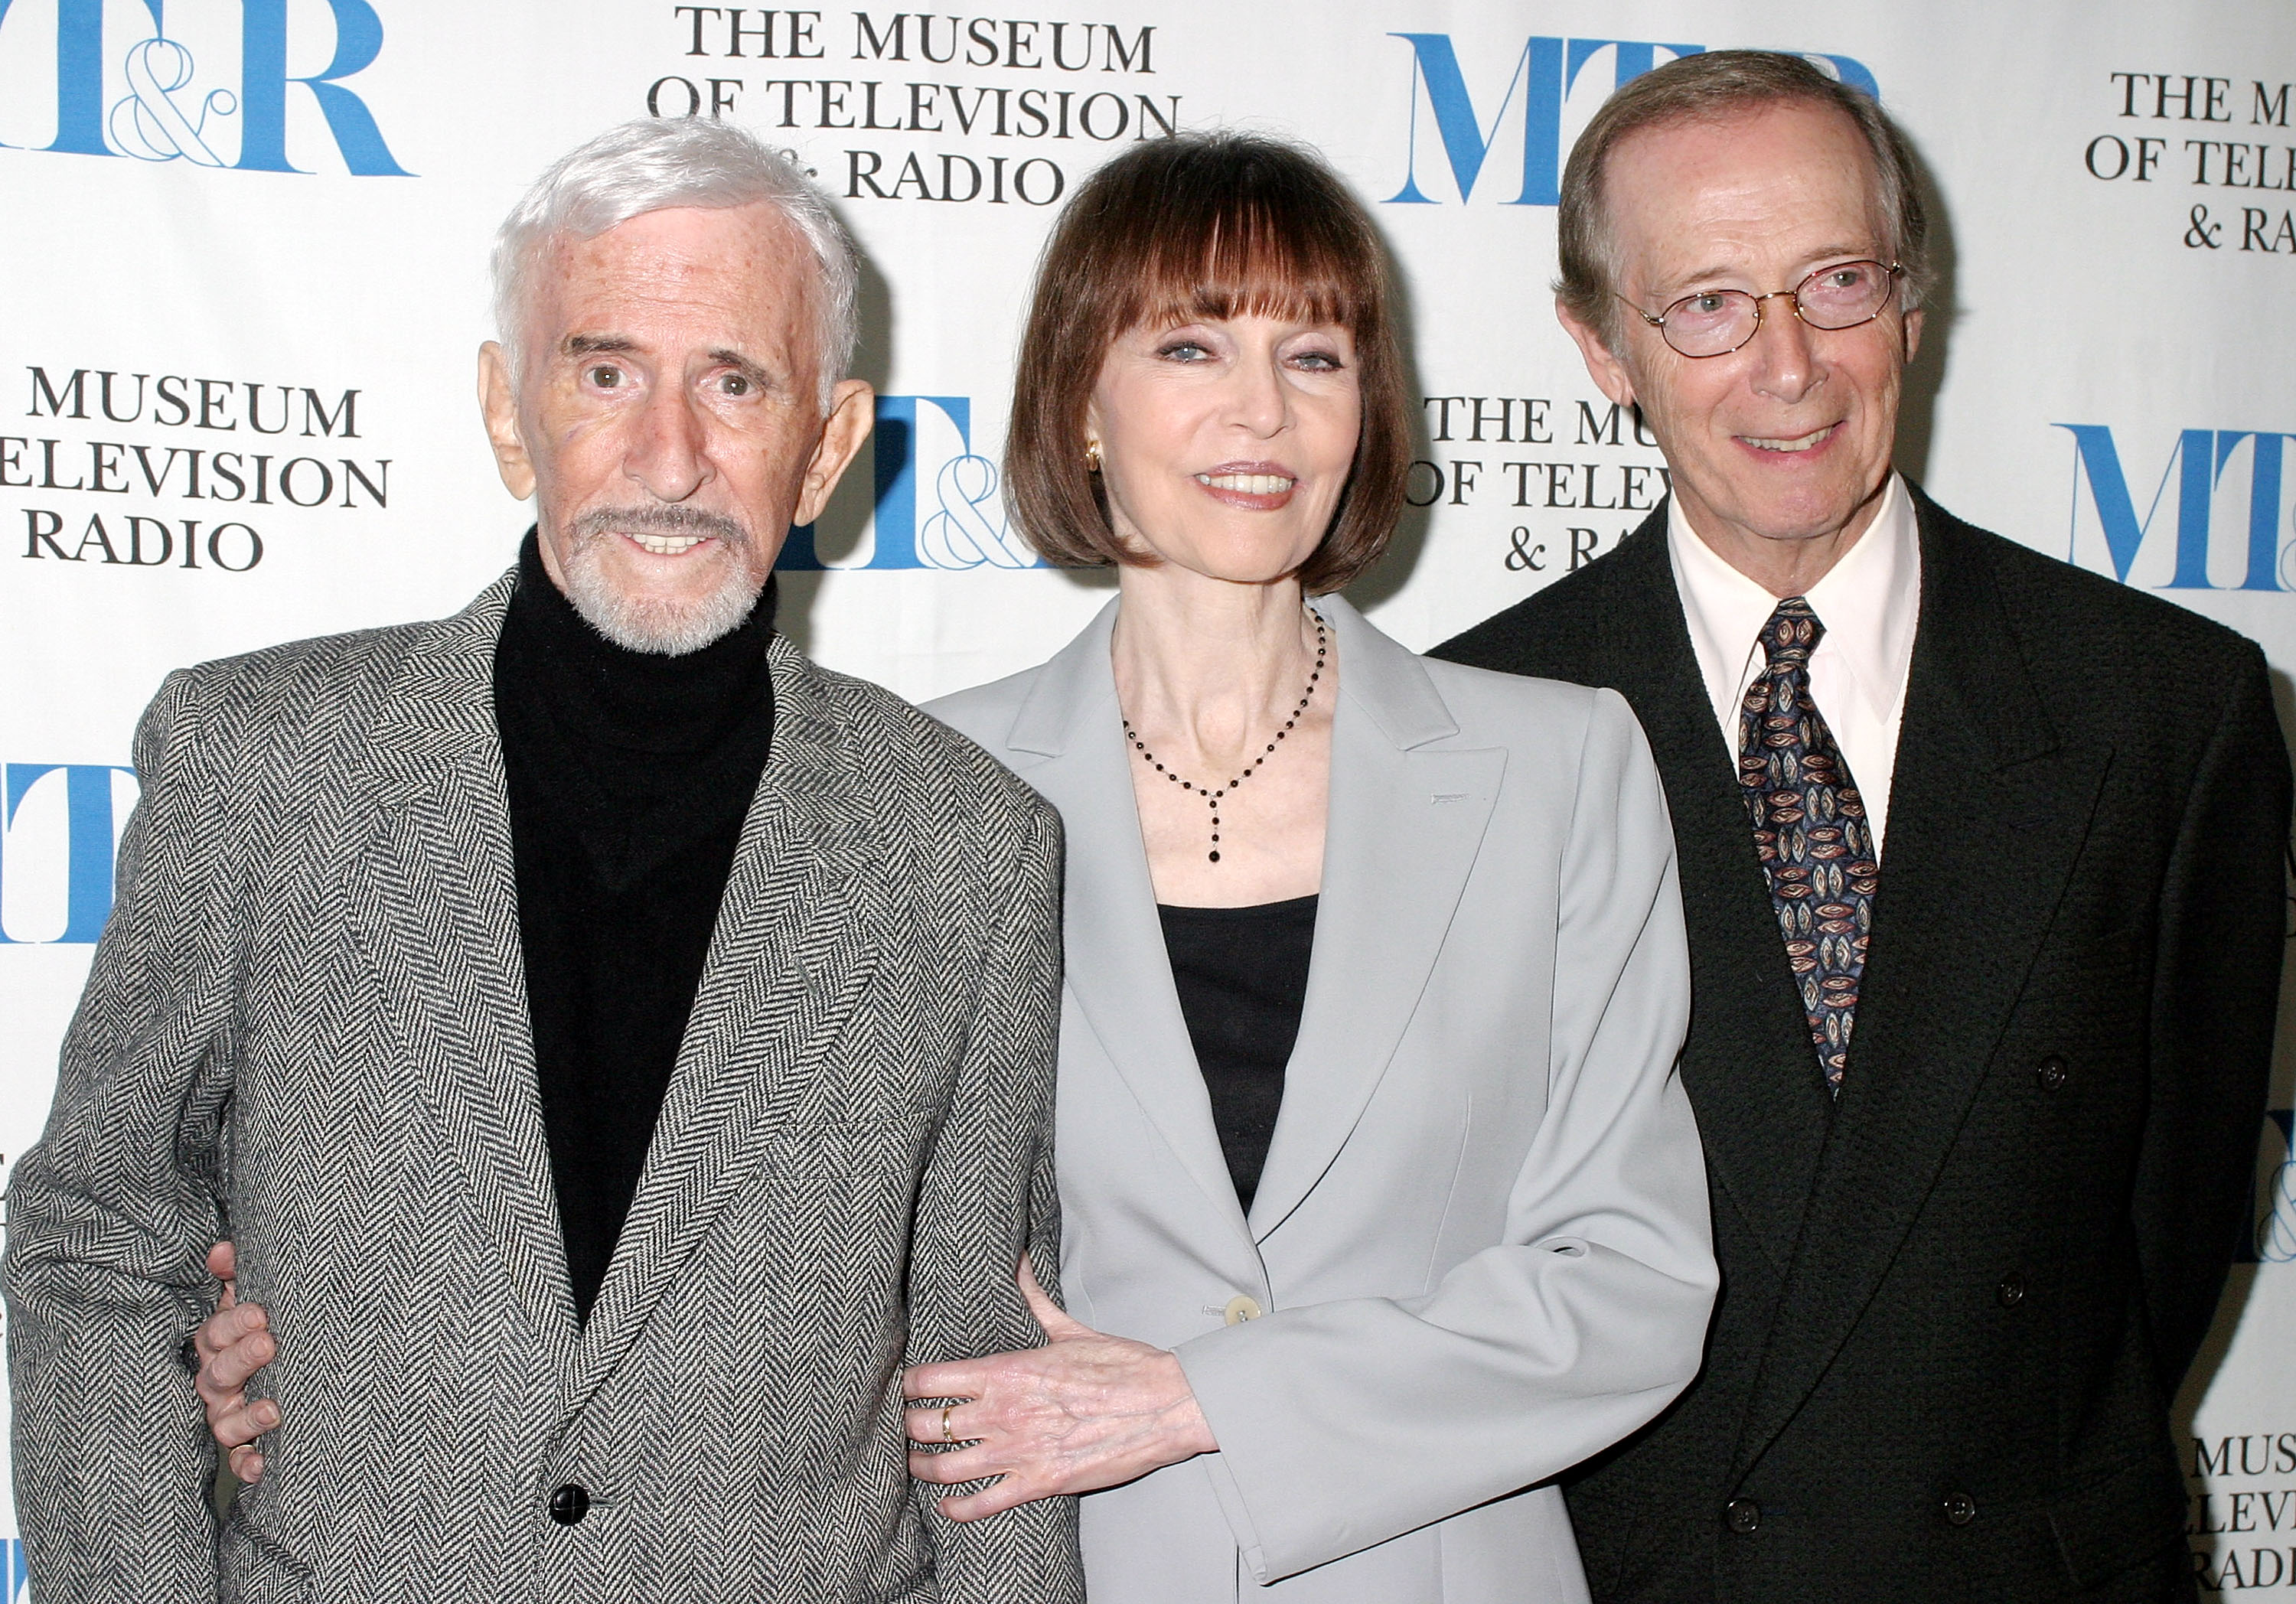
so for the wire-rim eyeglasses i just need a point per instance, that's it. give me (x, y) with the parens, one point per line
(1715, 322)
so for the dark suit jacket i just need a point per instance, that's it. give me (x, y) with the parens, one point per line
(1957, 1304)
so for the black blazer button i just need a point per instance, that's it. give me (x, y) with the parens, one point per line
(1959, 1508)
(2011, 1291)
(568, 1503)
(2052, 1072)
(1743, 1514)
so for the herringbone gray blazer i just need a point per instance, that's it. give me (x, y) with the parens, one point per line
(1480, 1249)
(305, 1028)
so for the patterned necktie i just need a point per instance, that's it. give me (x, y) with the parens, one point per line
(1809, 832)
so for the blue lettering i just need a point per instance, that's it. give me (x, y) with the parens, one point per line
(263, 80)
(966, 530)
(1547, 72)
(89, 840)
(1635, 57)
(1850, 71)
(79, 73)
(2263, 504)
(2198, 461)
(2099, 459)
(1435, 66)
(893, 449)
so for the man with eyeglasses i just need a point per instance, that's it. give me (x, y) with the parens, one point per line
(1969, 1250)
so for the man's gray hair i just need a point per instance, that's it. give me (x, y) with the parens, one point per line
(650, 165)
(1710, 87)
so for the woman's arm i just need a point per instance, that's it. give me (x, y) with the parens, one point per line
(1085, 1411)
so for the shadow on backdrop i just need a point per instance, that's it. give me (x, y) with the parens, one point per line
(1925, 374)
(838, 532)
(1394, 570)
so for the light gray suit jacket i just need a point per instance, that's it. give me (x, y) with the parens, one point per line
(306, 1027)
(1481, 1240)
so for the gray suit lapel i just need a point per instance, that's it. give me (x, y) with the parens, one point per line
(1988, 813)
(1404, 829)
(437, 906)
(1117, 969)
(795, 946)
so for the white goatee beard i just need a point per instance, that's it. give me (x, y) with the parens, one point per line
(646, 623)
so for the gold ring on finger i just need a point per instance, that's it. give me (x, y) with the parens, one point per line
(948, 1436)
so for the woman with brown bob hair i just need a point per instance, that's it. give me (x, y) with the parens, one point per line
(1381, 1204)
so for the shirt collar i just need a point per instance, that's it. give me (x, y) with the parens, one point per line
(1869, 601)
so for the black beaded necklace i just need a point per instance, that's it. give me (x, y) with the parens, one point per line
(1212, 798)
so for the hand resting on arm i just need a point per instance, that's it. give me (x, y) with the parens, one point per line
(1085, 1411)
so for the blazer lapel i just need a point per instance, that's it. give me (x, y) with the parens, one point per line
(1117, 968)
(794, 947)
(1751, 1072)
(1404, 829)
(437, 903)
(1988, 811)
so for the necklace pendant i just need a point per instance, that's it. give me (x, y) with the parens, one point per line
(1212, 797)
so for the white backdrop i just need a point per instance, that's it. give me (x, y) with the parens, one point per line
(243, 275)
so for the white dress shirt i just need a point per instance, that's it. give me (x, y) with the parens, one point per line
(1869, 603)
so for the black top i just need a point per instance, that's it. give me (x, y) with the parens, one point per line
(630, 774)
(1242, 978)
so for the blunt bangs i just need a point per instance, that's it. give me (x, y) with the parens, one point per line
(1241, 257)
(1203, 226)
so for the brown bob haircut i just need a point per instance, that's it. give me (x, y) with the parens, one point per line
(1714, 86)
(1203, 225)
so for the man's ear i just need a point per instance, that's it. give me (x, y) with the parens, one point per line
(852, 412)
(1913, 332)
(1602, 365)
(498, 404)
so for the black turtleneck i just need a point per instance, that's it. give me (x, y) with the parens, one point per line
(630, 774)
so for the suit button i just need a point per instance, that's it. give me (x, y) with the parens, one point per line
(1743, 1514)
(1959, 1508)
(2052, 1072)
(2011, 1292)
(568, 1503)
(1241, 1308)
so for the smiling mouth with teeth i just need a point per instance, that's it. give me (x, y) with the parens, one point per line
(1799, 443)
(666, 545)
(1248, 484)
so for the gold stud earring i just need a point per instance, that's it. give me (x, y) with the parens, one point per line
(1091, 457)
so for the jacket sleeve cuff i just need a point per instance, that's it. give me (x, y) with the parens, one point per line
(1239, 1517)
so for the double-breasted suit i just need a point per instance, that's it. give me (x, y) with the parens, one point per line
(1957, 1301)
(306, 1028)
(1478, 1251)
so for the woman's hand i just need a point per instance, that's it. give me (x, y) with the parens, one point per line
(234, 1343)
(1089, 1411)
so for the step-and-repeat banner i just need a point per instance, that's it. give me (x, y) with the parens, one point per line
(243, 273)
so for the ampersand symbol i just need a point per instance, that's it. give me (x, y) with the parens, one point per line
(1524, 555)
(2275, 1233)
(962, 534)
(2202, 232)
(147, 124)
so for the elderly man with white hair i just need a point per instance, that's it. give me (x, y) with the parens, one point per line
(616, 1046)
